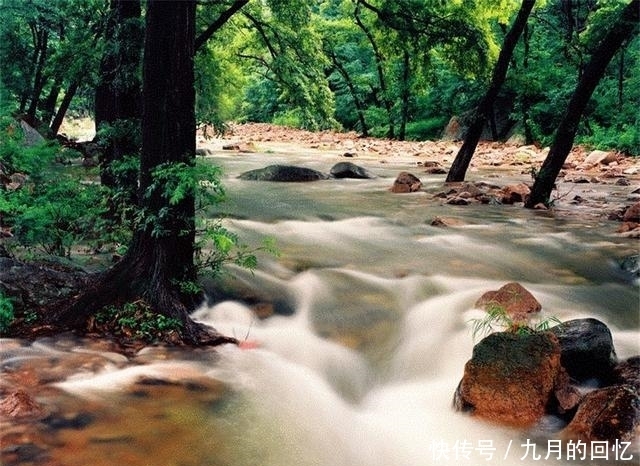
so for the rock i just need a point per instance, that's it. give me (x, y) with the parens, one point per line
(587, 349)
(627, 372)
(632, 214)
(283, 173)
(406, 183)
(31, 136)
(517, 301)
(204, 151)
(630, 265)
(607, 414)
(446, 222)
(600, 157)
(19, 404)
(454, 130)
(32, 285)
(513, 193)
(511, 378)
(350, 170)
(457, 200)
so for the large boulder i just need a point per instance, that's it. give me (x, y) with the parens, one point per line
(512, 378)
(350, 170)
(406, 183)
(587, 349)
(518, 303)
(283, 173)
(607, 414)
(34, 285)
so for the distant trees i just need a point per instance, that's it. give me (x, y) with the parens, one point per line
(48, 50)
(399, 69)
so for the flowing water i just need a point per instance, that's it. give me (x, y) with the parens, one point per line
(371, 331)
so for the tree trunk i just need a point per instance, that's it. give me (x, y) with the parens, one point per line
(160, 255)
(64, 106)
(39, 78)
(405, 95)
(460, 164)
(380, 70)
(118, 96)
(357, 103)
(621, 31)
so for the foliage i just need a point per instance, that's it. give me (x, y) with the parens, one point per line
(497, 317)
(6, 313)
(136, 321)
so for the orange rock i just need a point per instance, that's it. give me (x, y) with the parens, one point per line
(517, 301)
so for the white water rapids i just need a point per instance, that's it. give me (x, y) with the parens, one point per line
(363, 372)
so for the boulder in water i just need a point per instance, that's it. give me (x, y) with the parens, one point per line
(607, 414)
(350, 170)
(512, 378)
(406, 183)
(587, 349)
(283, 173)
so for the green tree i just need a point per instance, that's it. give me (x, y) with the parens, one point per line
(621, 30)
(47, 47)
(485, 106)
(160, 258)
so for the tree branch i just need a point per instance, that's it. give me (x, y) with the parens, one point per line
(218, 23)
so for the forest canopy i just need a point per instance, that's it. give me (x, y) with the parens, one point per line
(400, 69)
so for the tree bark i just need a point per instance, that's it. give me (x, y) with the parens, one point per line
(118, 96)
(64, 106)
(460, 164)
(160, 255)
(380, 70)
(625, 27)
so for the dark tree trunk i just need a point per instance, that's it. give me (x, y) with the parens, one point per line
(621, 31)
(48, 105)
(39, 77)
(380, 70)
(218, 23)
(357, 102)
(460, 164)
(118, 98)
(64, 106)
(405, 95)
(160, 255)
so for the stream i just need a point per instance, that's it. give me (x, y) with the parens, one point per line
(371, 328)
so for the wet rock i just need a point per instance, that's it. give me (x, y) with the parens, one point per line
(350, 170)
(19, 404)
(611, 413)
(74, 421)
(446, 222)
(632, 214)
(510, 378)
(627, 372)
(518, 303)
(630, 265)
(457, 200)
(513, 193)
(587, 349)
(283, 173)
(406, 183)
(23, 453)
